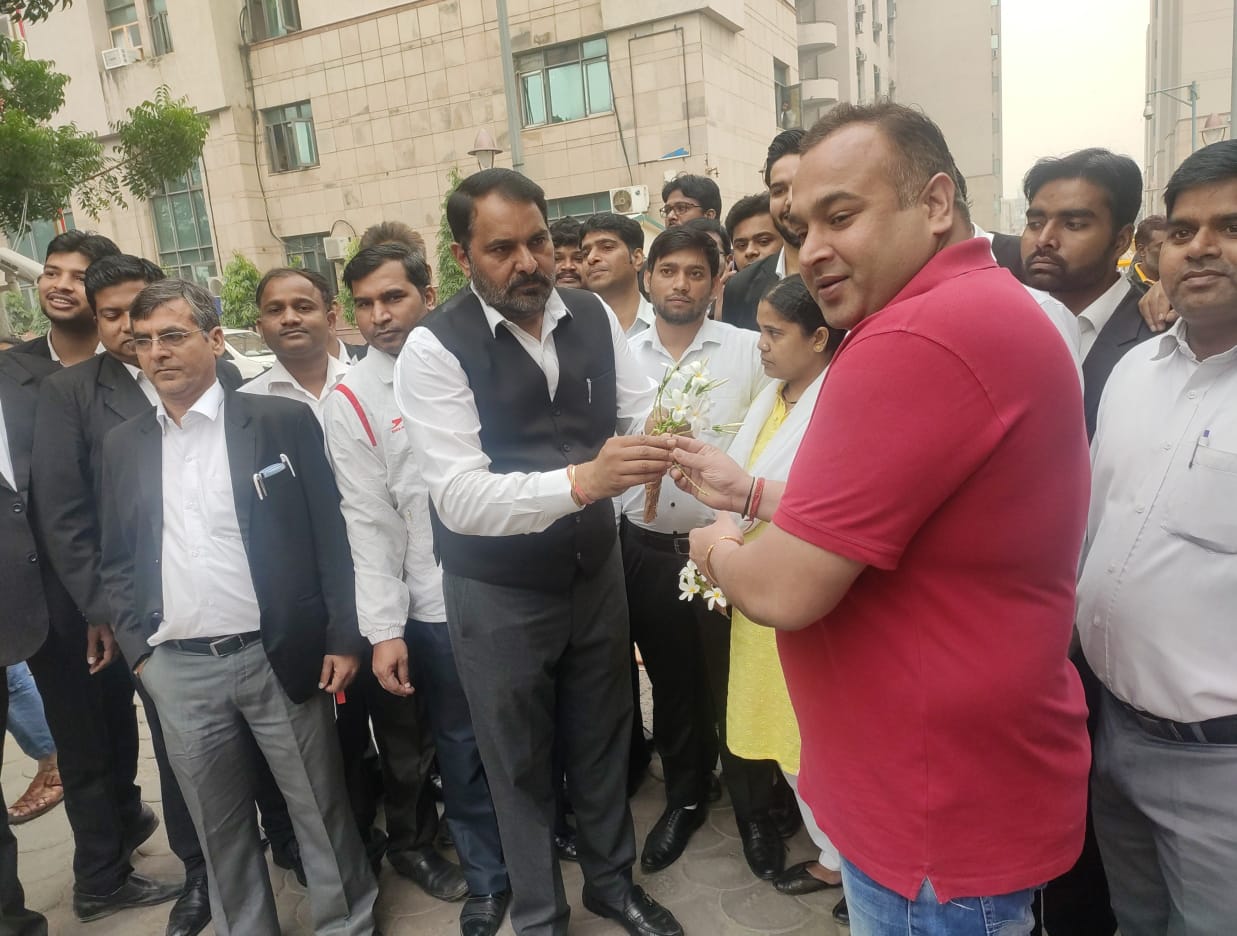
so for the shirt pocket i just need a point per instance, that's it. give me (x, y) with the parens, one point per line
(1202, 507)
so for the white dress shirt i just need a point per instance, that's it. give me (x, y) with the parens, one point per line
(207, 586)
(279, 382)
(6, 454)
(433, 395)
(1093, 318)
(385, 502)
(51, 348)
(1158, 592)
(143, 382)
(645, 317)
(730, 355)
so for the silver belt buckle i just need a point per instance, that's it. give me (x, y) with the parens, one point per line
(218, 642)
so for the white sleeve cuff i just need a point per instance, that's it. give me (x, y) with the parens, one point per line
(377, 635)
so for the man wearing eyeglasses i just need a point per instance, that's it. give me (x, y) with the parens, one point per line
(227, 568)
(690, 196)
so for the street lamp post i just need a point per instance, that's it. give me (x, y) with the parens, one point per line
(1191, 90)
(485, 149)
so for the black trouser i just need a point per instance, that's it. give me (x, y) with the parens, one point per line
(15, 919)
(686, 652)
(406, 749)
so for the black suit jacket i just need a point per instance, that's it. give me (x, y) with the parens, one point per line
(294, 538)
(37, 347)
(745, 290)
(1007, 248)
(1120, 333)
(78, 407)
(23, 608)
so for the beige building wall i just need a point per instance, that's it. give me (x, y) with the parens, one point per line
(949, 64)
(855, 61)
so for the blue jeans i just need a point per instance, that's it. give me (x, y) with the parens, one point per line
(26, 720)
(877, 911)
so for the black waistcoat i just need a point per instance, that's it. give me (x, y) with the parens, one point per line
(523, 430)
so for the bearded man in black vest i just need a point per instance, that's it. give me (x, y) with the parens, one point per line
(520, 398)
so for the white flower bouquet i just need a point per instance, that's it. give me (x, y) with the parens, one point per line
(692, 583)
(681, 407)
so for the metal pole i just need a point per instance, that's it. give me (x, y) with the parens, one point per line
(509, 89)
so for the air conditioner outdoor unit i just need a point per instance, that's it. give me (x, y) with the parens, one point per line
(631, 200)
(119, 57)
(335, 248)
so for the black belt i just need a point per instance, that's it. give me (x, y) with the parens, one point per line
(1212, 731)
(664, 542)
(217, 646)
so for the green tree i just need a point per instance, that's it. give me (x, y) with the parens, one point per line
(451, 278)
(239, 293)
(21, 315)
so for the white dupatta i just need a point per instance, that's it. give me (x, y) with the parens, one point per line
(779, 454)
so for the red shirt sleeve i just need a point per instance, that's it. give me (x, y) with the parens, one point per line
(901, 422)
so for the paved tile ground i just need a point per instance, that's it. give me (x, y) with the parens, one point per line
(710, 889)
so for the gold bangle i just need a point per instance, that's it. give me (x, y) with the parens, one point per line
(708, 556)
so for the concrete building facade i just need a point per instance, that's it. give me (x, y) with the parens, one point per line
(846, 52)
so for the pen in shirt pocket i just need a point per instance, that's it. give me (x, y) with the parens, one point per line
(588, 385)
(1203, 441)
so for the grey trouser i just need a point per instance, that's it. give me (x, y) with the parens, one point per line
(209, 705)
(1166, 819)
(537, 665)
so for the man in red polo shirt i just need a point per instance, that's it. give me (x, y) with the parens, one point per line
(922, 557)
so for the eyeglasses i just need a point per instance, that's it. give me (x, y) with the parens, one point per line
(678, 208)
(173, 339)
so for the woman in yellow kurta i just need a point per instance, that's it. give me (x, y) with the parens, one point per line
(795, 346)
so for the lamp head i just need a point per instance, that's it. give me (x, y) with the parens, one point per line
(1148, 111)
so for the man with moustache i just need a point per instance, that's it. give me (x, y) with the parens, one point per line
(686, 648)
(513, 392)
(568, 258)
(752, 234)
(1149, 237)
(613, 250)
(745, 289)
(690, 196)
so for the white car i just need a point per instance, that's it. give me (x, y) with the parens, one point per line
(247, 351)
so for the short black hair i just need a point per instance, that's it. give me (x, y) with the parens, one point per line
(1148, 226)
(90, 245)
(119, 268)
(316, 279)
(1207, 166)
(628, 229)
(792, 301)
(749, 206)
(565, 232)
(508, 183)
(1118, 176)
(711, 226)
(701, 188)
(916, 144)
(786, 143)
(680, 237)
(371, 258)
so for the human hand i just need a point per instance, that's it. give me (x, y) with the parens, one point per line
(709, 474)
(338, 671)
(1156, 310)
(624, 462)
(391, 666)
(717, 536)
(101, 648)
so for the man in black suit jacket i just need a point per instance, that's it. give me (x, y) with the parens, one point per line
(227, 568)
(23, 621)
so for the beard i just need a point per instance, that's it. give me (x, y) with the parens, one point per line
(683, 315)
(792, 237)
(515, 301)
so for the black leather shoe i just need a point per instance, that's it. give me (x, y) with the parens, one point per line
(567, 847)
(786, 817)
(191, 912)
(287, 855)
(841, 914)
(762, 847)
(669, 836)
(483, 914)
(432, 873)
(639, 914)
(136, 891)
(797, 879)
(143, 828)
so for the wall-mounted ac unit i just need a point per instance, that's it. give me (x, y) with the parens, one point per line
(119, 57)
(631, 200)
(335, 248)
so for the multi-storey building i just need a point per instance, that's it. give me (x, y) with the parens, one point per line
(846, 52)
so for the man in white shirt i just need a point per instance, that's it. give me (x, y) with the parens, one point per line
(685, 647)
(613, 251)
(400, 607)
(296, 319)
(1159, 584)
(513, 393)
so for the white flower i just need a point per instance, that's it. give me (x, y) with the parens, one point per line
(688, 589)
(713, 596)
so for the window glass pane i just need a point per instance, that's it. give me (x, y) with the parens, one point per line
(594, 48)
(203, 218)
(306, 154)
(598, 76)
(566, 93)
(165, 232)
(280, 160)
(562, 54)
(534, 61)
(534, 99)
(186, 227)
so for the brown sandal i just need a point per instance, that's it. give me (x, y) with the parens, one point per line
(44, 794)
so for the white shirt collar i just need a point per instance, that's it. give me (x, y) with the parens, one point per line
(711, 332)
(645, 318)
(1176, 339)
(781, 264)
(336, 368)
(555, 310)
(1100, 311)
(344, 356)
(209, 404)
(51, 348)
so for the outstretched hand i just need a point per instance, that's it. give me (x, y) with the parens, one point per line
(709, 474)
(1156, 310)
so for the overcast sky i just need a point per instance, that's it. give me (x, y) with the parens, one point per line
(1073, 76)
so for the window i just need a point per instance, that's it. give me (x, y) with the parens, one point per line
(290, 136)
(269, 19)
(860, 60)
(577, 206)
(160, 34)
(565, 82)
(182, 229)
(306, 252)
(122, 24)
(876, 80)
